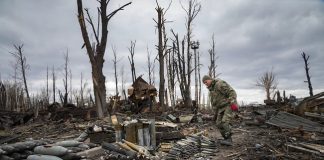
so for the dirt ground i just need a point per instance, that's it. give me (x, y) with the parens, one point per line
(249, 141)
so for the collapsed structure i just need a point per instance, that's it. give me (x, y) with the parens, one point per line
(141, 94)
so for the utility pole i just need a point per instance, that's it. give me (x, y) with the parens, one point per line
(195, 46)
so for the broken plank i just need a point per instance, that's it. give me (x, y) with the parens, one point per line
(313, 146)
(169, 124)
(305, 150)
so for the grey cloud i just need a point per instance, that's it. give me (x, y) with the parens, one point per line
(251, 37)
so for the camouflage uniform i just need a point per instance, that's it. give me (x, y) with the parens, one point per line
(222, 96)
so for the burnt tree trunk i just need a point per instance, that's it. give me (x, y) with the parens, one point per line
(199, 80)
(65, 80)
(306, 57)
(162, 51)
(131, 60)
(82, 92)
(53, 81)
(185, 57)
(150, 66)
(47, 90)
(3, 96)
(97, 50)
(21, 60)
(212, 55)
(160, 22)
(115, 61)
(171, 75)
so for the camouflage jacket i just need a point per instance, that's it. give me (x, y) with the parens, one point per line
(221, 94)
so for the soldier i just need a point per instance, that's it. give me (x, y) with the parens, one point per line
(223, 101)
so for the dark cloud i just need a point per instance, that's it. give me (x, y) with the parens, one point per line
(251, 37)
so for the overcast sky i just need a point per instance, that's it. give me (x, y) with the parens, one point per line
(252, 37)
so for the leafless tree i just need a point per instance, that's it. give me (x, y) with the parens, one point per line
(161, 47)
(213, 58)
(96, 51)
(123, 81)
(70, 100)
(184, 68)
(115, 61)
(171, 65)
(3, 95)
(181, 69)
(150, 66)
(268, 82)
(53, 81)
(65, 80)
(131, 59)
(14, 96)
(16, 89)
(306, 57)
(13, 91)
(82, 86)
(23, 66)
(47, 90)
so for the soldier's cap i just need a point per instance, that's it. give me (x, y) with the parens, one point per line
(206, 77)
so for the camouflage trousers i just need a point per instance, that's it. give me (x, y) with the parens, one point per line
(224, 116)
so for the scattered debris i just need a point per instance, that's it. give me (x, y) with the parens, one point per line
(288, 120)
(259, 132)
(141, 94)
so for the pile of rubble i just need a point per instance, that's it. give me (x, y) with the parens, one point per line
(285, 131)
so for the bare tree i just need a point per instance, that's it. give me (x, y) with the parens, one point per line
(3, 96)
(123, 81)
(23, 66)
(13, 90)
(70, 100)
(16, 89)
(65, 80)
(306, 57)
(96, 51)
(161, 47)
(14, 96)
(268, 82)
(53, 81)
(184, 68)
(131, 59)
(47, 90)
(82, 86)
(213, 58)
(115, 61)
(150, 66)
(171, 65)
(199, 79)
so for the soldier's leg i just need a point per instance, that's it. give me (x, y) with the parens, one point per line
(219, 123)
(228, 115)
(225, 127)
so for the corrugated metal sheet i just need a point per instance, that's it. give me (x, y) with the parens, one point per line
(288, 120)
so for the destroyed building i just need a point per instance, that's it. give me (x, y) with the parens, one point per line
(141, 94)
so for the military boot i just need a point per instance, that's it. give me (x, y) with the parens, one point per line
(226, 141)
